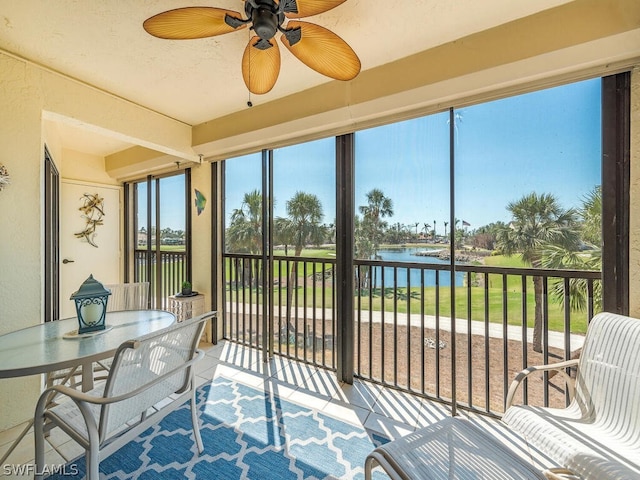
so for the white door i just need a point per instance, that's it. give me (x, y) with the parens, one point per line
(78, 257)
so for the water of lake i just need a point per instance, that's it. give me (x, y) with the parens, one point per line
(415, 275)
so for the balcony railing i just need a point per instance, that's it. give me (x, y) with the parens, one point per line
(403, 328)
(303, 325)
(173, 271)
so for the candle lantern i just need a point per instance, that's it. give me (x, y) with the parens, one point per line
(91, 305)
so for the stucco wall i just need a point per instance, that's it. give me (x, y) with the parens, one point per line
(201, 231)
(21, 152)
(85, 167)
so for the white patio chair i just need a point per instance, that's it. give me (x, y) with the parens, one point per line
(598, 434)
(145, 372)
(128, 296)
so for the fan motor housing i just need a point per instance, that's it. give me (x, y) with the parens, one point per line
(266, 18)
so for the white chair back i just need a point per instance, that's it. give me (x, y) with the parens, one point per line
(608, 381)
(140, 363)
(128, 296)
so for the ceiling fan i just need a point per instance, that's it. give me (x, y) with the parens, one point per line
(315, 46)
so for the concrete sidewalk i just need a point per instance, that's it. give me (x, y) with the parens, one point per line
(514, 332)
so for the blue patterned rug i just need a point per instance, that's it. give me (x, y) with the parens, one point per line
(247, 434)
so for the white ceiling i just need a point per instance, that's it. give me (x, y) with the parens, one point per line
(102, 43)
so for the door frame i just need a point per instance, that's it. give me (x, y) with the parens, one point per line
(51, 238)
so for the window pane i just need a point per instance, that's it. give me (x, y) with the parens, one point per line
(304, 196)
(545, 143)
(141, 214)
(402, 191)
(243, 204)
(172, 213)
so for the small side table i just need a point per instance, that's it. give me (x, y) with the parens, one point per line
(188, 307)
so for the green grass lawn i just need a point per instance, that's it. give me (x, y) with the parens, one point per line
(475, 310)
(514, 261)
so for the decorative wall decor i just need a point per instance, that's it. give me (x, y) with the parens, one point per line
(200, 201)
(93, 211)
(5, 180)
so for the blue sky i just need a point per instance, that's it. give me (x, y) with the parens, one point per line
(171, 202)
(547, 141)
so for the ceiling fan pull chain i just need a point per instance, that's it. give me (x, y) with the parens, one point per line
(249, 103)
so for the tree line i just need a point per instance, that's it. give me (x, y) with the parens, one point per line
(541, 231)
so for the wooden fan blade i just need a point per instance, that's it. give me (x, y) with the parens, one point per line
(306, 8)
(260, 68)
(190, 22)
(323, 51)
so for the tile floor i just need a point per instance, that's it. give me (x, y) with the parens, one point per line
(380, 409)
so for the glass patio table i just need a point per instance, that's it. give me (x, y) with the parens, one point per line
(51, 346)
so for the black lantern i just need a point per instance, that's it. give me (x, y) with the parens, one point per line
(91, 305)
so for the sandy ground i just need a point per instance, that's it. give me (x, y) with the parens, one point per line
(428, 370)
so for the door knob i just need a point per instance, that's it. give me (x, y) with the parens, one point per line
(66, 260)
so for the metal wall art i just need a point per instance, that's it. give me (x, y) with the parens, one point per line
(200, 201)
(4, 177)
(93, 210)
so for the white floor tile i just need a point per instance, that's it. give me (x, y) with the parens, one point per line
(348, 413)
(361, 394)
(309, 399)
(400, 406)
(386, 426)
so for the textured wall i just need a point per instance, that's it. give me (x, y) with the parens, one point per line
(201, 231)
(20, 218)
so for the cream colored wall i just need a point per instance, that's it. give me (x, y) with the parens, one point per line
(21, 265)
(201, 232)
(31, 98)
(85, 167)
(634, 217)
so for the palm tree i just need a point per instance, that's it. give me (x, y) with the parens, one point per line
(537, 222)
(590, 258)
(302, 227)
(245, 232)
(363, 248)
(591, 215)
(378, 207)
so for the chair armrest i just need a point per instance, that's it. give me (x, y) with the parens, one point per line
(559, 474)
(559, 367)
